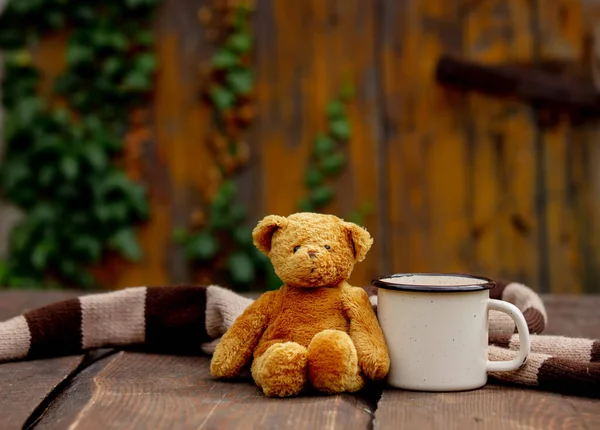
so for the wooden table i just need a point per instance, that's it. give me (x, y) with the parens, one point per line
(125, 390)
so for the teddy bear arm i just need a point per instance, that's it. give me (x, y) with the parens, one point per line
(366, 333)
(236, 347)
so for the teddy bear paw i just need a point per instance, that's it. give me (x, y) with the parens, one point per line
(333, 363)
(281, 370)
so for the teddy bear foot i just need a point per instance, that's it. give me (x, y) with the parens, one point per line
(333, 363)
(281, 370)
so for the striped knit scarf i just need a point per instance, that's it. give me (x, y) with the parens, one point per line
(191, 320)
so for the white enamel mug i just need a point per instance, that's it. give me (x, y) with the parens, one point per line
(436, 329)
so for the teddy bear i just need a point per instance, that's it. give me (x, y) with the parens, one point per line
(316, 330)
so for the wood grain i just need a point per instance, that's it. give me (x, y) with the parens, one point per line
(24, 385)
(165, 392)
(459, 182)
(320, 45)
(492, 407)
(502, 219)
(572, 315)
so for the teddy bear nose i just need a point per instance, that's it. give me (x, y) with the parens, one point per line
(312, 254)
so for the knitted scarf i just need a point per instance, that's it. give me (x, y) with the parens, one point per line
(191, 319)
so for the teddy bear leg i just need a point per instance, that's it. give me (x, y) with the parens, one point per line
(333, 363)
(281, 370)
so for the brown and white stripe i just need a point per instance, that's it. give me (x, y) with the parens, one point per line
(528, 302)
(191, 319)
(550, 372)
(170, 319)
(570, 348)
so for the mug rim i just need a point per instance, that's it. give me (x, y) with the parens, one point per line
(487, 283)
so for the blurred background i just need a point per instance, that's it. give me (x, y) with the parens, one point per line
(142, 140)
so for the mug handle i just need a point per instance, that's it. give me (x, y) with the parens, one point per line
(524, 341)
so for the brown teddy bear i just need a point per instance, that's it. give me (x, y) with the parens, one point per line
(316, 329)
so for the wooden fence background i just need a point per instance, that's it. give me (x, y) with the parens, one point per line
(459, 182)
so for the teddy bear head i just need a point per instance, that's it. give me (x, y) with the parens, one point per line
(310, 249)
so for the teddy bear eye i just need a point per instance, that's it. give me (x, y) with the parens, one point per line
(296, 248)
(327, 247)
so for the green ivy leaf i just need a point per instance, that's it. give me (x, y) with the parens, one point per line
(55, 18)
(4, 272)
(355, 217)
(240, 81)
(118, 41)
(95, 156)
(306, 205)
(14, 173)
(26, 109)
(322, 196)
(340, 129)
(180, 235)
(273, 281)
(332, 164)
(145, 63)
(78, 53)
(69, 167)
(40, 255)
(144, 38)
(43, 213)
(241, 268)
(348, 92)
(83, 11)
(243, 237)
(61, 116)
(323, 145)
(125, 242)
(224, 195)
(222, 98)
(367, 208)
(202, 246)
(112, 65)
(237, 213)
(239, 42)
(89, 246)
(224, 59)
(137, 80)
(314, 177)
(336, 110)
(132, 4)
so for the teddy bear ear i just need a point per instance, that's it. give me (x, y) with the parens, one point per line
(263, 232)
(360, 240)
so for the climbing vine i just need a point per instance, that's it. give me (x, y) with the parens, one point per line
(327, 159)
(218, 240)
(62, 155)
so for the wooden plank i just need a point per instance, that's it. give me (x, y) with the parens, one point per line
(573, 315)
(492, 407)
(174, 160)
(74, 396)
(583, 174)
(162, 392)
(503, 223)
(560, 36)
(320, 45)
(501, 407)
(427, 184)
(584, 202)
(461, 199)
(25, 385)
